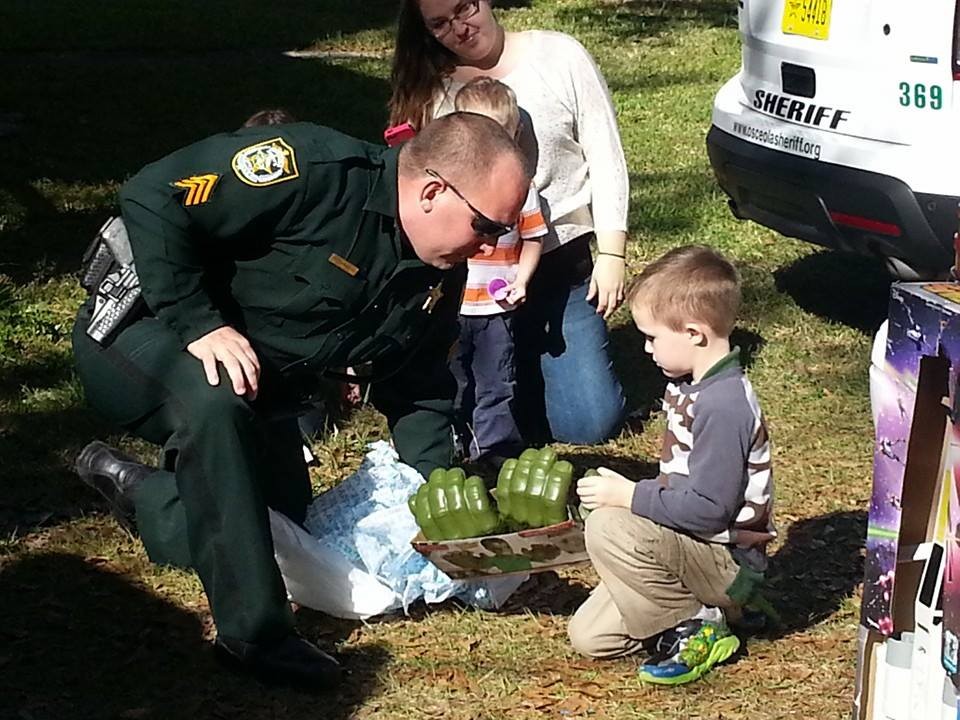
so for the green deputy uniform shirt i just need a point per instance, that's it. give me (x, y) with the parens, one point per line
(290, 234)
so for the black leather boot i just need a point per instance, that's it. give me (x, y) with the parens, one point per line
(292, 661)
(114, 475)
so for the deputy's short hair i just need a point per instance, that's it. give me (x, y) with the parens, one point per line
(464, 147)
(270, 116)
(688, 284)
(491, 97)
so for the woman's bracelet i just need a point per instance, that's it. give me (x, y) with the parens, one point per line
(616, 255)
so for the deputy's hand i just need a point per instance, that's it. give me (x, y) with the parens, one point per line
(232, 350)
(605, 489)
(606, 284)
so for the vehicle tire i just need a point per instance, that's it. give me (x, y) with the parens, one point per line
(901, 270)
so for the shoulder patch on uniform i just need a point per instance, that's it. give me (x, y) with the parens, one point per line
(198, 188)
(266, 163)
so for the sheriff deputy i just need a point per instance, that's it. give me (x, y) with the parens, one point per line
(267, 257)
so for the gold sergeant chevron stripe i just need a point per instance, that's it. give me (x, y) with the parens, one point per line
(198, 188)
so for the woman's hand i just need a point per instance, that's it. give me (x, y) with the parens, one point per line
(516, 293)
(606, 284)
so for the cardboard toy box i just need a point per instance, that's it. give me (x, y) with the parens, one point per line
(920, 365)
(910, 613)
(525, 551)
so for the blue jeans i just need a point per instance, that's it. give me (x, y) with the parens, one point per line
(567, 388)
(486, 380)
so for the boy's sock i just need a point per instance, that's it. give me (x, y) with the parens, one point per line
(708, 613)
(687, 651)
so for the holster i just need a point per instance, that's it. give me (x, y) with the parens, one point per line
(109, 275)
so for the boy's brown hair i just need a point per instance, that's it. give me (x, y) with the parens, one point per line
(488, 96)
(688, 284)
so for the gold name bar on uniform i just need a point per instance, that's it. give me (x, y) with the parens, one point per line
(348, 267)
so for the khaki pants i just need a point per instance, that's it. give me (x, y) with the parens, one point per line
(651, 579)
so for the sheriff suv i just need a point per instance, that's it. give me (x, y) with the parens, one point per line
(842, 127)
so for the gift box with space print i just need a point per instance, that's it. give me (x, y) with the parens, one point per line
(912, 386)
(910, 614)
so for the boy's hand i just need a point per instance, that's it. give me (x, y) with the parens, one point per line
(516, 293)
(606, 489)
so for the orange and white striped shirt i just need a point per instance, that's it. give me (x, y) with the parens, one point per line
(502, 263)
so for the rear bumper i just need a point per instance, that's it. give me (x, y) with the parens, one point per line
(795, 196)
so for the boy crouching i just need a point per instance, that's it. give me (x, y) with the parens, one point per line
(680, 554)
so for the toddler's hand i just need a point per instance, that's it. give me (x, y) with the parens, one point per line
(516, 293)
(607, 489)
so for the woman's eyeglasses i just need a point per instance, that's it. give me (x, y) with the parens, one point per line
(481, 224)
(441, 27)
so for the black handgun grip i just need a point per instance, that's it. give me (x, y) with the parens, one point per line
(96, 265)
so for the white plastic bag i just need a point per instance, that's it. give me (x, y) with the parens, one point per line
(357, 561)
(319, 577)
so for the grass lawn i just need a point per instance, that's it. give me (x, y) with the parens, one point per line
(89, 629)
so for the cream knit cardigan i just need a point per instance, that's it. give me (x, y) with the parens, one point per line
(570, 131)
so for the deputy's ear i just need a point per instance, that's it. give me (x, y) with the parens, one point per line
(429, 193)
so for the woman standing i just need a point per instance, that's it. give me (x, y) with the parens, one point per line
(570, 134)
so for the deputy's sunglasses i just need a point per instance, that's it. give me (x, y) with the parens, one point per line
(481, 224)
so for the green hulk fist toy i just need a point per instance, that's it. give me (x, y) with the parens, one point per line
(451, 506)
(532, 490)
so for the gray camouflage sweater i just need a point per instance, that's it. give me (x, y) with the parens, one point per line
(715, 477)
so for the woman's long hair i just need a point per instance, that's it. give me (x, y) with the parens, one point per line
(420, 63)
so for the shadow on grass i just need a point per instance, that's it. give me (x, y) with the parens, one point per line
(547, 593)
(92, 645)
(817, 568)
(846, 288)
(102, 132)
(87, 126)
(139, 25)
(632, 19)
(749, 343)
(43, 369)
(671, 202)
(50, 244)
(644, 382)
(652, 79)
(633, 468)
(40, 487)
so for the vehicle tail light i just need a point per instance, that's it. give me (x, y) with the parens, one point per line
(864, 223)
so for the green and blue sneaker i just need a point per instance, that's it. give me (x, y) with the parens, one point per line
(684, 653)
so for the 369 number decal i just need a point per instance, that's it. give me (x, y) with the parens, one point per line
(920, 96)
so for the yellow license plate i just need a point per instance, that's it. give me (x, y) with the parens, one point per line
(810, 18)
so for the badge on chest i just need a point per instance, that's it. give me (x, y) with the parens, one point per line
(433, 297)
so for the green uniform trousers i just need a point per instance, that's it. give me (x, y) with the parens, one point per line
(223, 465)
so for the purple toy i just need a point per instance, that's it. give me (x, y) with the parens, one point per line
(498, 289)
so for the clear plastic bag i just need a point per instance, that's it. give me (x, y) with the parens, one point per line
(357, 561)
